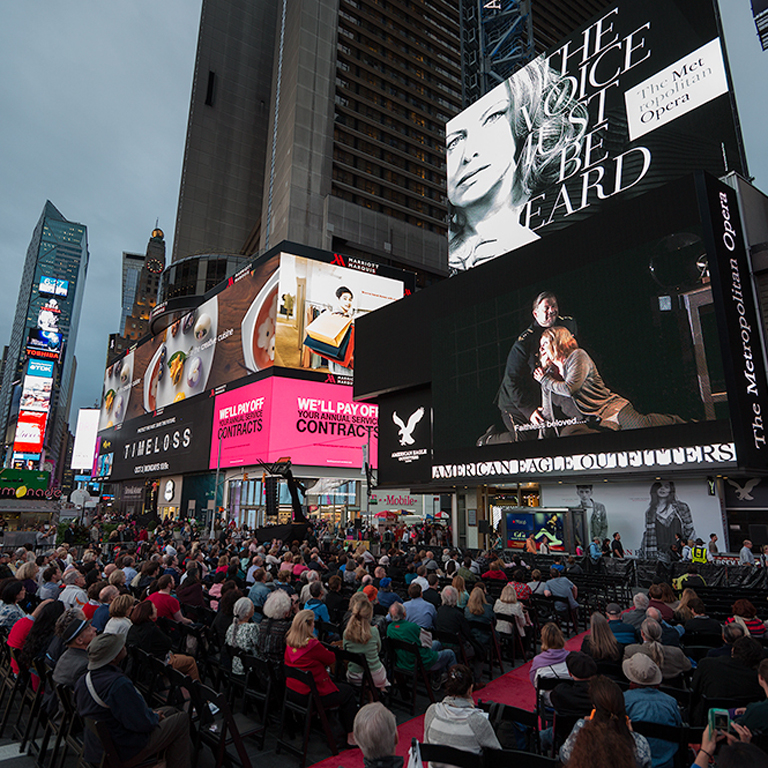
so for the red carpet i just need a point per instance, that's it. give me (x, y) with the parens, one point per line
(513, 688)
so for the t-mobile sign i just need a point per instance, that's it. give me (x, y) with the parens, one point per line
(316, 424)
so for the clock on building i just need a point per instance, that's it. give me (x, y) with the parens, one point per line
(155, 266)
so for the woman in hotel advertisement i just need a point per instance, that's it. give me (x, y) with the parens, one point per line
(500, 152)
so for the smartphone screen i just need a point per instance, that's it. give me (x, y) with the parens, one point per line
(719, 720)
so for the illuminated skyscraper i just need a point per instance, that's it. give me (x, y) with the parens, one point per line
(43, 340)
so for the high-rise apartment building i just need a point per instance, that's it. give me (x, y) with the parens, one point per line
(321, 122)
(43, 340)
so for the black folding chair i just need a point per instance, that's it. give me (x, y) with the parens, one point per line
(303, 708)
(439, 753)
(224, 732)
(367, 688)
(400, 652)
(112, 756)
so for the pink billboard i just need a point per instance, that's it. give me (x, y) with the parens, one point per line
(314, 423)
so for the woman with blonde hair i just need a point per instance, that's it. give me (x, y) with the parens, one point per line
(461, 588)
(27, 574)
(480, 616)
(304, 652)
(509, 605)
(117, 579)
(670, 660)
(119, 611)
(363, 638)
(601, 643)
(683, 613)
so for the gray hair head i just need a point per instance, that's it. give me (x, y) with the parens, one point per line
(277, 605)
(375, 731)
(653, 613)
(651, 629)
(641, 601)
(243, 608)
(449, 596)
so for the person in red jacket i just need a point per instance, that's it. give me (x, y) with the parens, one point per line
(305, 652)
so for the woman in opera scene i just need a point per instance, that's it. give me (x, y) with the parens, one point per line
(569, 373)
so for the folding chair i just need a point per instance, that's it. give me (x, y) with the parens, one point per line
(366, 686)
(112, 753)
(400, 652)
(303, 710)
(454, 643)
(227, 730)
(17, 688)
(506, 713)
(512, 640)
(504, 758)
(439, 753)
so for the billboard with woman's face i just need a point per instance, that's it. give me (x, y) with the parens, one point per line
(637, 97)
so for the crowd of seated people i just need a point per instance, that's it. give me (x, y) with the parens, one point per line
(285, 604)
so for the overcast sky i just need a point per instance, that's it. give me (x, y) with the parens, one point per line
(94, 101)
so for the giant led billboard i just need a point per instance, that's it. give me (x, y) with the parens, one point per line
(317, 308)
(314, 423)
(636, 98)
(167, 441)
(625, 343)
(30, 432)
(288, 311)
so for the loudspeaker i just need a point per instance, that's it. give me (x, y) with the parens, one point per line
(271, 493)
(759, 535)
(483, 526)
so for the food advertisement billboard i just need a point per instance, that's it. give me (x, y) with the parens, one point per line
(636, 98)
(314, 423)
(287, 310)
(616, 346)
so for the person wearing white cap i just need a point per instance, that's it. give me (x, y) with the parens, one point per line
(107, 694)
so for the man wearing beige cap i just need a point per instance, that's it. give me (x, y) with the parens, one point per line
(645, 703)
(106, 693)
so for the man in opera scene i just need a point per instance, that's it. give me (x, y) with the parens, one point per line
(519, 396)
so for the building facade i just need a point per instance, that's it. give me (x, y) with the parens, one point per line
(321, 122)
